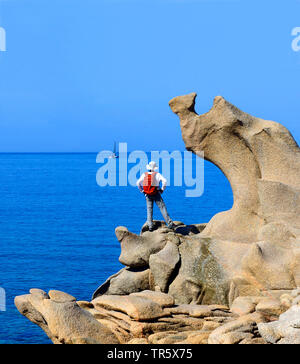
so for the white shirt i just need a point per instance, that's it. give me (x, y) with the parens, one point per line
(156, 181)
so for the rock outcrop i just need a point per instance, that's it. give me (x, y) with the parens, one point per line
(150, 317)
(261, 161)
(147, 317)
(286, 330)
(228, 281)
(62, 319)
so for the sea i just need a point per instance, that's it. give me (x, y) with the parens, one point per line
(57, 227)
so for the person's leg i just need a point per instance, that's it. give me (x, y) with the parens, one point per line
(163, 209)
(149, 202)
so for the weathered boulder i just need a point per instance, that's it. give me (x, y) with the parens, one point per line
(138, 308)
(162, 299)
(273, 266)
(206, 270)
(236, 331)
(284, 331)
(163, 264)
(38, 292)
(128, 280)
(136, 249)
(286, 300)
(245, 305)
(63, 320)
(270, 307)
(60, 297)
(201, 311)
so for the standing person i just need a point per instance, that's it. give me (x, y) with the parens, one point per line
(149, 185)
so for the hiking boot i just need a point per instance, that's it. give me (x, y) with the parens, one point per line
(151, 229)
(172, 226)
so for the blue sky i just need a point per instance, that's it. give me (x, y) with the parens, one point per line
(79, 74)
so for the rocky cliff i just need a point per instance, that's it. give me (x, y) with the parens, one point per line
(233, 275)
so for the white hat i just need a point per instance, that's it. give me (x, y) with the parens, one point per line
(152, 166)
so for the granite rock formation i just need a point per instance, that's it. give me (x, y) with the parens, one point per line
(151, 317)
(58, 314)
(226, 281)
(261, 161)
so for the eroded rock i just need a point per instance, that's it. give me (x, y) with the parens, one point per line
(162, 299)
(236, 331)
(200, 311)
(245, 305)
(138, 308)
(260, 159)
(128, 280)
(64, 322)
(270, 307)
(136, 249)
(284, 331)
(251, 250)
(163, 264)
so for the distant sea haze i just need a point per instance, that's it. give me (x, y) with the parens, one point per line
(57, 227)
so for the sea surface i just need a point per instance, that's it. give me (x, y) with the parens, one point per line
(57, 227)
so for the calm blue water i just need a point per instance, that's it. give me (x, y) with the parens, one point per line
(57, 227)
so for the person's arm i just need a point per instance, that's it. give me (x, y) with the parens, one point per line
(163, 181)
(139, 183)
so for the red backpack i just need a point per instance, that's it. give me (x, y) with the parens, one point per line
(149, 189)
